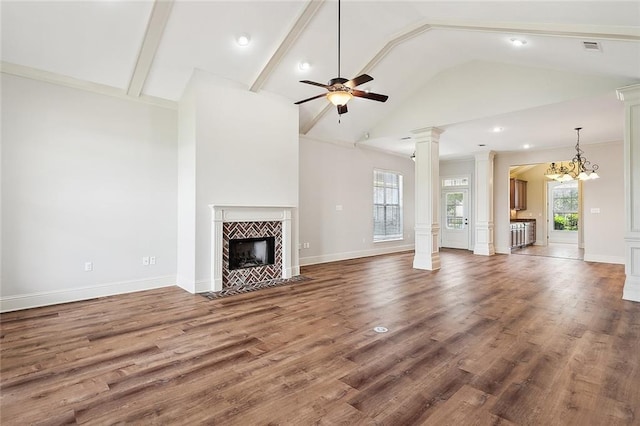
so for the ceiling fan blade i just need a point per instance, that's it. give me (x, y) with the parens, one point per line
(313, 83)
(342, 109)
(311, 98)
(369, 95)
(361, 79)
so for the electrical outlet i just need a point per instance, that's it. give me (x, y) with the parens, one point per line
(152, 260)
(145, 261)
(88, 266)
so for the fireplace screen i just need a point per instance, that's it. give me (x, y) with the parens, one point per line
(251, 252)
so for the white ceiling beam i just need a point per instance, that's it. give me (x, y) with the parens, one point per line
(292, 35)
(577, 31)
(155, 29)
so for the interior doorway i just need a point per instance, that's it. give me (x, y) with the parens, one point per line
(557, 209)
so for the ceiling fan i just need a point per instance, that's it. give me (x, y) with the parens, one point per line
(341, 90)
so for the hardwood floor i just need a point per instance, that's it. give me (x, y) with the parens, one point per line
(469, 344)
(565, 251)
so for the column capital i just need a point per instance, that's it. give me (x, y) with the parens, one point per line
(430, 132)
(485, 155)
(629, 93)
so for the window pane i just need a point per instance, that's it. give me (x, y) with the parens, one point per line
(565, 207)
(455, 210)
(387, 208)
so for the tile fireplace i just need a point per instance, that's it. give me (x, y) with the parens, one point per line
(250, 244)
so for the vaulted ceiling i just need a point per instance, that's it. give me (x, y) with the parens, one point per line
(446, 64)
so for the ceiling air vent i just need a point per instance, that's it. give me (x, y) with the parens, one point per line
(592, 46)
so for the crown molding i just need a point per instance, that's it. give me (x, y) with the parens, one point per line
(63, 80)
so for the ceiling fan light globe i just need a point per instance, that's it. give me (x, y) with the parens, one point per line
(339, 97)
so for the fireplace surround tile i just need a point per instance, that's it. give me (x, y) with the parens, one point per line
(238, 230)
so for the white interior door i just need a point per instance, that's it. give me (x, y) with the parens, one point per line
(455, 228)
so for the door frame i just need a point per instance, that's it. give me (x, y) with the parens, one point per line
(549, 214)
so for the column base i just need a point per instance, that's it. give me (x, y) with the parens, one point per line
(631, 289)
(428, 263)
(484, 249)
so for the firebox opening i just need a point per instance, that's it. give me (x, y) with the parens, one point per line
(251, 252)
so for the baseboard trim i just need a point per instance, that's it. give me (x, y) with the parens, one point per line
(603, 259)
(503, 250)
(314, 260)
(35, 300)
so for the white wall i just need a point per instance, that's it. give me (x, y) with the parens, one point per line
(246, 153)
(604, 231)
(333, 174)
(85, 178)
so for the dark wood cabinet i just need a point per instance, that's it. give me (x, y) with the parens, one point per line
(518, 194)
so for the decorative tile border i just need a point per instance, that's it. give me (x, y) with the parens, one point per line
(237, 230)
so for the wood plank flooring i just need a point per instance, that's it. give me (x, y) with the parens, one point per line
(509, 340)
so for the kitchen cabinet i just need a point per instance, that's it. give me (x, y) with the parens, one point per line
(518, 194)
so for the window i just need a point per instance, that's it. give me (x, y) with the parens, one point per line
(453, 182)
(387, 206)
(565, 206)
(455, 210)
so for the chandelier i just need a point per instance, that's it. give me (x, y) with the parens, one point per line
(578, 168)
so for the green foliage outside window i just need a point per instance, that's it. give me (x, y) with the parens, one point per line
(565, 222)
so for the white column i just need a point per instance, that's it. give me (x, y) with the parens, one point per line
(483, 196)
(427, 200)
(631, 97)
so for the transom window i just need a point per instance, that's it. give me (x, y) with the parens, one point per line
(455, 182)
(387, 205)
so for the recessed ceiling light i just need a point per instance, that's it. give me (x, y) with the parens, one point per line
(304, 66)
(498, 129)
(518, 42)
(526, 146)
(243, 40)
